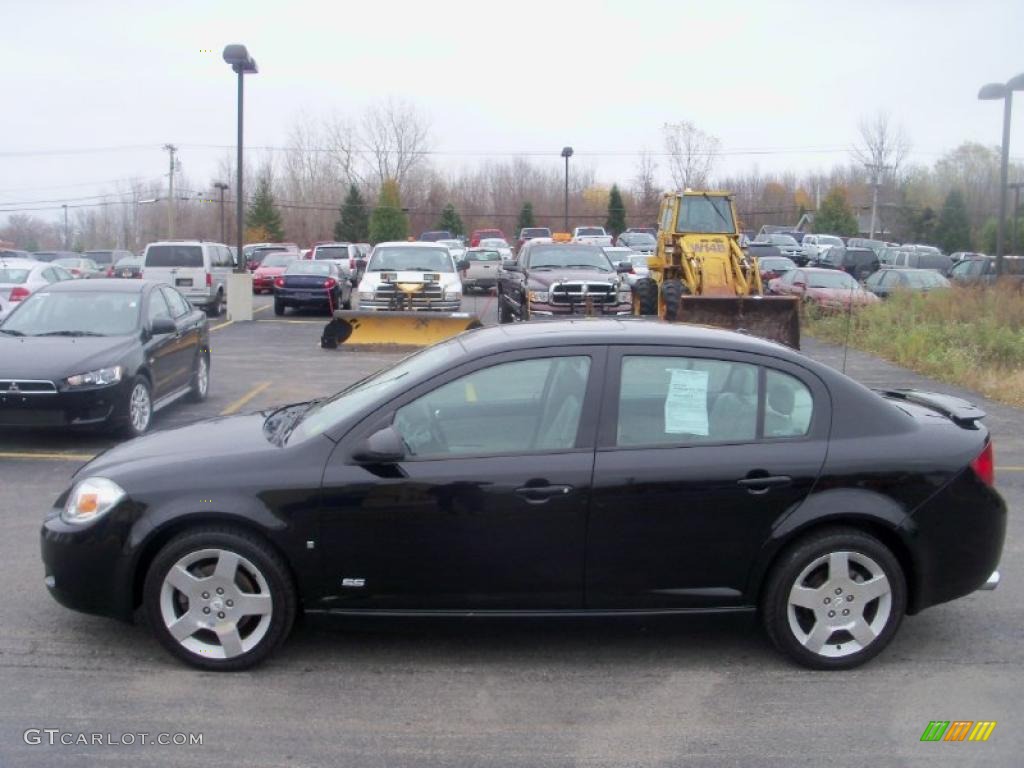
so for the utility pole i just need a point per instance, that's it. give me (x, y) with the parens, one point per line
(1015, 186)
(876, 173)
(171, 149)
(222, 187)
(66, 246)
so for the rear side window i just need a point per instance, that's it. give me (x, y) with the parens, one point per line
(13, 276)
(174, 256)
(680, 400)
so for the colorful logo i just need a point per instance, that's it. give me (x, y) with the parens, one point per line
(958, 730)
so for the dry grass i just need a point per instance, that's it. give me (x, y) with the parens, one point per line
(972, 337)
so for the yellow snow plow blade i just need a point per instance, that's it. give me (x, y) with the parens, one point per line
(417, 329)
(770, 317)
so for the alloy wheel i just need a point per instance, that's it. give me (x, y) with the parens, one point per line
(140, 409)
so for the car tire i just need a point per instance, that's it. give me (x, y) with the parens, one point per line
(213, 308)
(504, 314)
(278, 308)
(645, 297)
(137, 411)
(347, 304)
(219, 598)
(820, 577)
(672, 295)
(200, 378)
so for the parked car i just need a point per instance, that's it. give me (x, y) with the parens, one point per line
(982, 269)
(254, 253)
(484, 234)
(886, 281)
(959, 256)
(198, 269)
(591, 236)
(813, 247)
(345, 255)
(640, 269)
(482, 272)
(455, 246)
(273, 266)
(52, 256)
(826, 288)
(549, 279)
(564, 468)
(774, 266)
(639, 242)
(498, 244)
(432, 236)
(865, 242)
(20, 278)
(921, 257)
(419, 276)
(101, 353)
(652, 231)
(106, 257)
(857, 262)
(80, 267)
(787, 245)
(11, 253)
(127, 267)
(529, 233)
(306, 284)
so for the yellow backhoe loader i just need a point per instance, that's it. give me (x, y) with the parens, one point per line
(699, 274)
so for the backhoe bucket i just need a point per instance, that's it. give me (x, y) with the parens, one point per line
(404, 328)
(770, 317)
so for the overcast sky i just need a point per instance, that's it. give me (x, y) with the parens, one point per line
(92, 89)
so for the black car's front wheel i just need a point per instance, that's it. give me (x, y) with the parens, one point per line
(137, 409)
(219, 598)
(835, 599)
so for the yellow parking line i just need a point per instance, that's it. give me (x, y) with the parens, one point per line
(240, 402)
(225, 324)
(52, 456)
(1009, 469)
(261, 309)
(293, 322)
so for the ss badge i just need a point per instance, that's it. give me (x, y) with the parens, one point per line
(353, 583)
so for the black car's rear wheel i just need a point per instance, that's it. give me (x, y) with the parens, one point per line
(278, 307)
(200, 378)
(645, 297)
(835, 599)
(219, 598)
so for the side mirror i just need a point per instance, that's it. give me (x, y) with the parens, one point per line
(162, 326)
(624, 266)
(511, 266)
(462, 265)
(382, 447)
(360, 264)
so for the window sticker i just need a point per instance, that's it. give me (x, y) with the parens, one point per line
(686, 403)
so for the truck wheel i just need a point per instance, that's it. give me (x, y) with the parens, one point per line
(672, 292)
(213, 308)
(645, 297)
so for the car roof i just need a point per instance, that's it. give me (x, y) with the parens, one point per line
(412, 244)
(111, 284)
(19, 262)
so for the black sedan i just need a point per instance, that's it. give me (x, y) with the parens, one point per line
(312, 285)
(589, 467)
(100, 352)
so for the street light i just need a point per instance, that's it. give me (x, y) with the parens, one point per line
(566, 153)
(223, 188)
(993, 92)
(242, 63)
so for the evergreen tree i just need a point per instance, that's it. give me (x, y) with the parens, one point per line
(450, 221)
(615, 224)
(835, 217)
(526, 217)
(263, 214)
(388, 221)
(353, 226)
(953, 232)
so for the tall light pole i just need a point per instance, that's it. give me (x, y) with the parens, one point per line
(566, 153)
(223, 188)
(171, 149)
(242, 63)
(1003, 91)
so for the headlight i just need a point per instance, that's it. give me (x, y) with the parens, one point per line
(453, 295)
(97, 378)
(90, 499)
(366, 295)
(541, 297)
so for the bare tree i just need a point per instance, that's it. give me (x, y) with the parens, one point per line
(645, 185)
(396, 139)
(881, 150)
(692, 154)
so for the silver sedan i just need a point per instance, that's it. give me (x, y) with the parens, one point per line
(20, 278)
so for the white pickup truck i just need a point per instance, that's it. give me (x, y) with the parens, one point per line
(591, 236)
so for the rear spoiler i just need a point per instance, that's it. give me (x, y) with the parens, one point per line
(958, 410)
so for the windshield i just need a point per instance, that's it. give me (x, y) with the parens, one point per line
(129, 261)
(328, 252)
(379, 386)
(705, 214)
(13, 275)
(89, 313)
(777, 263)
(483, 256)
(100, 257)
(68, 262)
(535, 232)
(493, 242)
(638, 239)
(174, 256)
(279, 259)
(926, 279)
(308, 268)
(589, 231)
(569, 256)
(828, 240)
(782, 240)
(830, 280)
(410, 259)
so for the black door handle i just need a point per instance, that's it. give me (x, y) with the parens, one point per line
(541, 494)
(759, 485)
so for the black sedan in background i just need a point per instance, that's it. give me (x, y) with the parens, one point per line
(312, 285)
(580, 467)
(100, 352)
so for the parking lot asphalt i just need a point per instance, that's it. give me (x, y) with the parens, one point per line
(479, 693)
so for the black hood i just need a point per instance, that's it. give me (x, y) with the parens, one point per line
(53, 358)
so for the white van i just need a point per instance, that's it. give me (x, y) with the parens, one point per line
(411, 276)
(196, 268)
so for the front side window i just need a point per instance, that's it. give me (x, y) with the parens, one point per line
(157, 308)
(519, 407)
(179, 306)
(680, 400)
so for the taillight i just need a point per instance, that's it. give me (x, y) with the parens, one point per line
(279, 282)
(19, 293)
(209, 279)
(984, 465)
(330, 282)
(110, 271)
